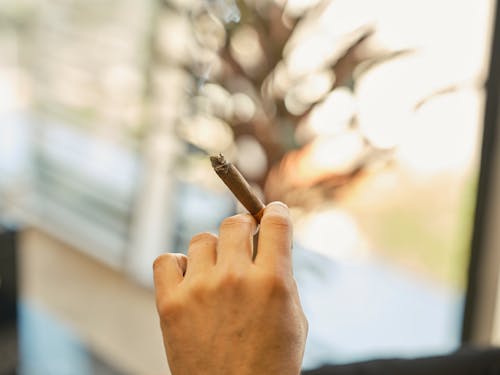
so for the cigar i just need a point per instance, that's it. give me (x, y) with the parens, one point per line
(238, 186)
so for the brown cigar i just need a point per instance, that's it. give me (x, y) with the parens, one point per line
(238, 185)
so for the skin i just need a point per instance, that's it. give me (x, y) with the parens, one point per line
(222, 313)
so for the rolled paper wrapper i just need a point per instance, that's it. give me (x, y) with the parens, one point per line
(235, 181)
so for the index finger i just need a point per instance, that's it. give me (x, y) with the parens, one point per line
(275, 238)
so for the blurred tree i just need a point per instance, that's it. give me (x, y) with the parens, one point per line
(282, 84)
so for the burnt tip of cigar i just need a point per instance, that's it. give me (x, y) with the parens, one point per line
(219, 163)
(238, 185)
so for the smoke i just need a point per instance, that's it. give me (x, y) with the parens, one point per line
(225, 10)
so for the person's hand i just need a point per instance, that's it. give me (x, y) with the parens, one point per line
(222, 313)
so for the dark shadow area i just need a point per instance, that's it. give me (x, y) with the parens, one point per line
(464, 362)
(8, 302)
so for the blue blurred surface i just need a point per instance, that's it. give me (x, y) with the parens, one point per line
(371, 309)
(50, 347)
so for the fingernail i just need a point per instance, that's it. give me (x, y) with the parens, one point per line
(251, 221)
(279, 203)
(278, 207)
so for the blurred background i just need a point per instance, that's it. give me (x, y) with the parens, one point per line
(364, 116)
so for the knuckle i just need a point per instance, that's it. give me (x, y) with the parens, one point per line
(231, 280)
(162, 259)
(276, 220)
(168, 308)
(198, 288)
(236, 221)
(204, 238)
(275, 285)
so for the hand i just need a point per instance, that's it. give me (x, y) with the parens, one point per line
(222, 313)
